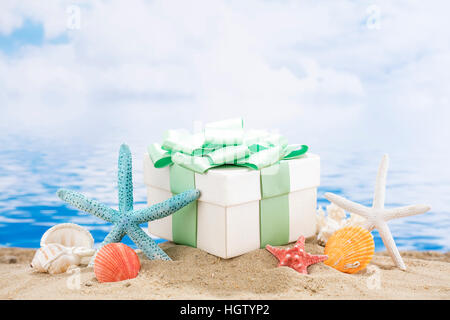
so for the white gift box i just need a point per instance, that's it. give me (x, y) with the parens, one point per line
(228, 210)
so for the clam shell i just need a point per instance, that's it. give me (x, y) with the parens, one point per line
(116, 262)
(69, 235)
(350, 249)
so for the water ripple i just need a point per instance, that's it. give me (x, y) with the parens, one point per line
(31, 171)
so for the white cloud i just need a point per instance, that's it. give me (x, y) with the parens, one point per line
(273, 62)
(50, 13)
(9, 19)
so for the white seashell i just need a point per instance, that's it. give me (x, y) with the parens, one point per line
(336, 213)
(56, 258)
(354, 221)
(321, 219)
(333, 221)
(330, 227)
(69, 235)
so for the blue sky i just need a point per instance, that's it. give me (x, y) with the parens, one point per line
(30, 33)
(372, 67)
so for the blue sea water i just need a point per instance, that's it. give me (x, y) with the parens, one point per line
(32, 170)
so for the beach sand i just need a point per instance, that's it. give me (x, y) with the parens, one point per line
(195, 274)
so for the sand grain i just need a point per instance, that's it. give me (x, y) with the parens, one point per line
(195, 274)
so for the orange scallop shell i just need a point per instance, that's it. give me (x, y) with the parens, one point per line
(350, 249)
(116, 262)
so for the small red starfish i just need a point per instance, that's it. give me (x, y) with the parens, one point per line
(296, 257)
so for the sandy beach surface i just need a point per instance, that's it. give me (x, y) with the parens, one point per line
(195, 274)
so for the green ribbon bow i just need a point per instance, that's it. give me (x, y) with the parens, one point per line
(223, 142)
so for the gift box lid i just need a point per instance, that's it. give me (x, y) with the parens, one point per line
(232, 185)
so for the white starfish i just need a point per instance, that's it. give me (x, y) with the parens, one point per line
(377, 216)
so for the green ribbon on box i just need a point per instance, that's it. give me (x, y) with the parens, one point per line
(274, 205)
(184, 221)
(226, 142)
(220, 143)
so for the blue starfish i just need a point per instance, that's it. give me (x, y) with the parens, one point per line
(126, 220)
